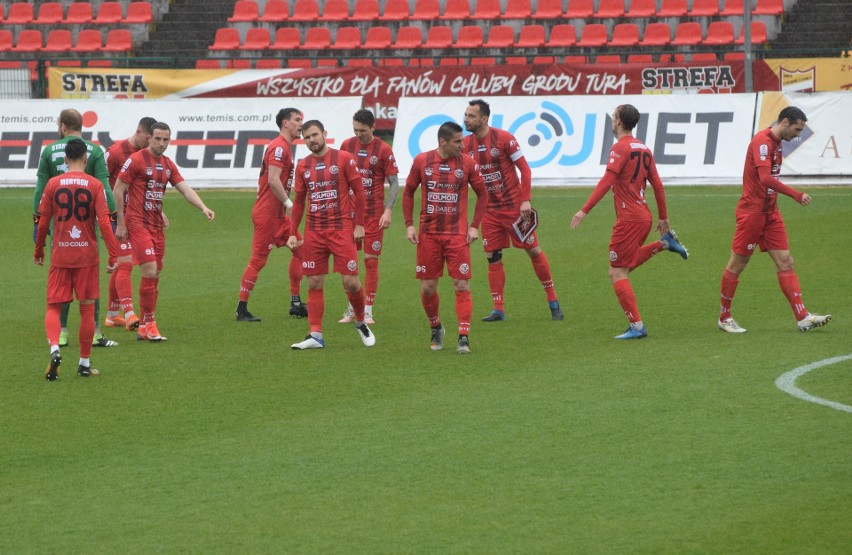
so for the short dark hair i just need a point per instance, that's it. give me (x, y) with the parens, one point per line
(484, 108)
(313, 123)
(365, 116)
(792, 114)
(161, 125)
(71, 119)
(448, 129)
(145, 125)
(75, 149)
(629, 116)
(285, 113)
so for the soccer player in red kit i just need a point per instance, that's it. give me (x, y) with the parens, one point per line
(328, 182)
(144, 178)
(445, 235)
(759, 222)
(500, 159)
(376, 162)
(630, 165)
(120, 311)
(73, 202)
(269, 215)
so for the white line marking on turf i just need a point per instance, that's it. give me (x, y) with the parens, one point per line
(786, 382)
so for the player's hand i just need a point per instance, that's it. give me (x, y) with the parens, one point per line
(526, 210)
(663, 226)
(472, 234)
(121, 232)
(385, 220)
(578, 217)
(209, 214)
(38, 256)
(292, 242)
(358, 233)
(112, 264)
(411, 235)
(113, 221)
(806, 199)
(165, 221)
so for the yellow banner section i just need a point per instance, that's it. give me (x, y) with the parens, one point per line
(102, 83)
(812, 74)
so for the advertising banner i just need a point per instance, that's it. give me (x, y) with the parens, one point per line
(811, 74)
(567, 139)
(215, 142)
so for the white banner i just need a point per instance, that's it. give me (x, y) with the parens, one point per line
(215, 142)
(566, 139)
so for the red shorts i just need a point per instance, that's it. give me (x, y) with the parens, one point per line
(764, 230)
(433, 250)
(319, 244)
(627, 238)
(498, 233)
(126, 249)
(373, 236)
(148, 246)
(63, 283)
(270, 232)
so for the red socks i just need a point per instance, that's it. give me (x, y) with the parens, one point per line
(113, 305)
(431, 305)
(497, 282)
(789, 282)
(248, 282)
(730, 281)
(356, 299)
(371, 279)
(646, 252)
(316, 308)
(124, 287)
(148, 298)
(52, 327)
(295, 271)
(627, 300)
(542, 270)
(87, 329)
(464, 310)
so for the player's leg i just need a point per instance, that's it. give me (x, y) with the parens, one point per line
(788, 280)
(63, 323)
(87, 328)
(262, 242)
(459, 268)
(113, 316)
(148, 249)
(373, 242)
(623, 251)
(315, 253)
(541, 267)
(59, 290)
(124, 288)
(294, 271)
(746, 239)
(99, 339)
(345, 253)
(429, 268)
(495, 238)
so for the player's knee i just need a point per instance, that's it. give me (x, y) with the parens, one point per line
(494, 257)
(534, 252)
(257, 263)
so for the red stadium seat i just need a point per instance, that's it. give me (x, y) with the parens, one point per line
(516, 60)
(348, 38)
(109, 13)
(317, 38)
(450, 61)
(608, 59)
(706, 8)
(456, 10)
(531, 36)
(439, 36)
(581, 9)
(366, 10)
(500, 36)
(704, 57)
(656, 34)
(734, 56)
(79, 13)
(69, 63)
(672, 8)
(301, 63)
(732, 8)
(609, 8)
(257, 38)
(642, 9)
(396, 10)
(483, 61)
(305, 10)
(594, 34)
(139, 12)
(268, 63)
(625, 34)
(425, 9)
(208, 63)
(364, 62)
(758, 33)
(335, 10)
(688, 33)
(241, 63)
(29, 40)
(118, 40)
(88, 40)
(327, 62)
(519, 9)
(408, 38)
(719, 33)
(470, 36)
(490, 9)
(668, 58)
(543, 59)
(563, 34)
(769, 7)
(275, 11)
(390, 62)
(245, 10)
(286, 38)
(99, 63)
(58, 40)
(548, 9)
(640, 59)
(20, 13)
(576, 59)
(378, 38)
(50, 13)
(5, 40)
(227, 38)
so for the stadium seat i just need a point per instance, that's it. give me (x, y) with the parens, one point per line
(257, 38)
(758, 33)
(672, 8)
(608, 59)
(245, 10)
(445, 61)
(490, 10)
(640, 59)
(769, 7)
(576, 59)
(391, 62)
(286, 38)
(704, 57)
(305, 10)
(625, 34)
(348, 38)
(29, 40)
(563, 35)
(719, 33)
(609, 8)
(531, 36)
(688, 33)
(668, 58)
(366, 10)
(470, 36)
(642, 9)
(227, 38)
(581, 9)
(378, 38)
(548, 9)
(408, 38)
(275, 11)
(79, 13)
(500, 36)
(425, 9)
(732, 8)
(119, 40)
(656, 34)
(109, 13)
(50, 13)
(706, 8)
(439, 36)
(543, 59)
(516, 60)
(268, 63)
(58, 40)
(421, 62)
(241, 63)
(5, 40)
(362, 62)
(518, 9)
(456, 10)
(68, 63)
(139, 12)
(483, 61)
(734, 56)
(396, 10)
(88, 40)
(594, 34)
(327, 62)
(20, 13)
(336, 10)
(317, 38)
(299, 63)
(99, 63)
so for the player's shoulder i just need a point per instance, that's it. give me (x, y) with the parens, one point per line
(348, 144)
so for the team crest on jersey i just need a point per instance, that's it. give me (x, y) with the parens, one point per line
(530, 239)
(464, 268)
(613, 256)
(149, 171)
(352, 265)
(495, 152)
(459, 173)
(334, 170)
(307, 174)
(374, 160)
(377, 245)
(428, 171)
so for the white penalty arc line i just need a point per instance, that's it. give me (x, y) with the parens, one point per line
(786, 382)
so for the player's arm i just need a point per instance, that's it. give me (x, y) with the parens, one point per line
(412, 182)
(477, 183)
(771, 182)
(660, 196)
(42, 177)
(298, 210)
(119, 193)
(601, 189)
(192, 198)
(526, 185)
(105, 224)
(101, 173)
(45, 211)
(277, 186)
(390, 201)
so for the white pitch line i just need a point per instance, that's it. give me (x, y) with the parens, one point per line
(786, 382)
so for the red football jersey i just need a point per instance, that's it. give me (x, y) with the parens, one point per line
(73, 200)
(443, 208)
(115, 157)
(147, 178)
(330, 188)
(496, 154)
(279, 154)
(763, 150)
(375, 163)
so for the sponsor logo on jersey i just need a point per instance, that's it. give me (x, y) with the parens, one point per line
(75, 232)
(751, 246)
(320, 166)
(362, 153)
(464, 268)
(764, 150)
(324, 195)
(352, 265)
(307, 174)
(442, 197)
(153, 195)
(480, 148)
(489, 177)
(444, 168)
(428, 171)
(279, 153)
(459, 173)
(149, 171)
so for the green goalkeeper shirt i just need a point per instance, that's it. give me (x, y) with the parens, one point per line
(52, 163)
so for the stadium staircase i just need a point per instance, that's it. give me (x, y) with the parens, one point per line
(819, 28)
(185, 31)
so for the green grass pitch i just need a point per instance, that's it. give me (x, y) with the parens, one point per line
(550, 438)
